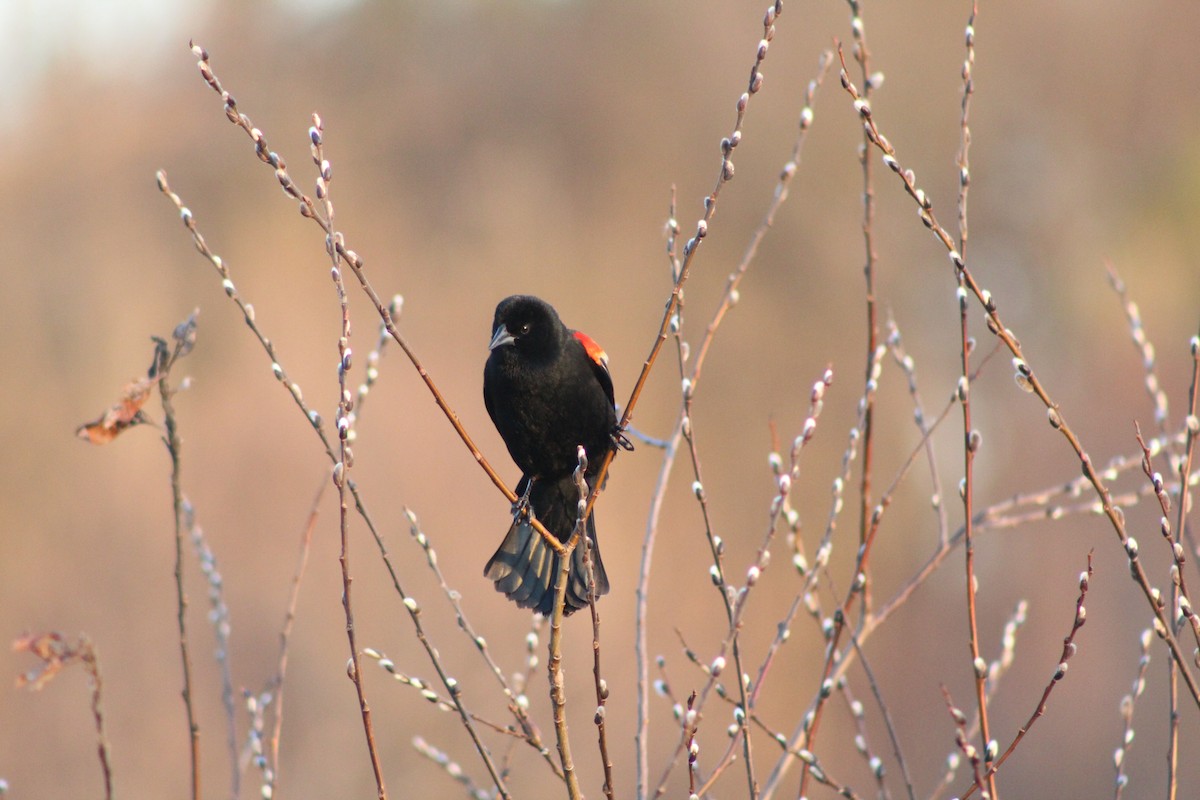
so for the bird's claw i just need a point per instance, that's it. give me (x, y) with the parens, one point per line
(521, 508)
(620, 440)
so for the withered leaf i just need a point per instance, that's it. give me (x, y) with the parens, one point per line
(51, 648)
(122, 415)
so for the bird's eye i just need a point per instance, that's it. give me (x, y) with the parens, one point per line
(524, 329)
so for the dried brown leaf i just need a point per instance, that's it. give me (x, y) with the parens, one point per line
(122, 415)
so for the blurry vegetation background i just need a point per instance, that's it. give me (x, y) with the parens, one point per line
(485, 148)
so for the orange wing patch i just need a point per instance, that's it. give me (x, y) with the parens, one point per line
(595, 352)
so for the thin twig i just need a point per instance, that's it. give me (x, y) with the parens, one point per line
(276, 685)
(642, 736)
(308, 209)
(1027, 379)
(691, 379)
(1060, 672)
(887, 721)
(690, 725)
(516, 705)
(871, 258)
(172, 441)
(805, 734)
(1145, 349)
(1192, 427)
(452, 768)
(971, 437)
(730, 597)
(558, 695)
(272, 694)
(908, 365)
(428, 693)
(1128, 702)
(601, 685)
(1181, 607)
(56, 653)
(1180, 597)
(256, 707)
(728, 144)
(341, 470)
(968, 750)
(219, 617)
(745, 707)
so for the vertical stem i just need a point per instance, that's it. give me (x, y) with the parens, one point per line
(642, 737)
(355, 671)
(334, 244)
(558, 695)
(601, 685)
(970, 437)
(1185, 469)
(171, 439)
(863, 56)
(970, 443)
(91, 663)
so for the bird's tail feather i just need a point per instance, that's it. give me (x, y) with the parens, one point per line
(525, 567)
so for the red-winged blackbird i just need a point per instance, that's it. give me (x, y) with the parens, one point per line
(547, 389)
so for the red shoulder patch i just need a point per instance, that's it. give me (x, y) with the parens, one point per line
(595, 352)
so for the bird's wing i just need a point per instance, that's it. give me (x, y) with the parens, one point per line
(599, 360)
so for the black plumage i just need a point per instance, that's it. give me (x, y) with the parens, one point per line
(547, 390)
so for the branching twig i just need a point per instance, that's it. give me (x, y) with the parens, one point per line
(516, 704)
(308, 209)
(56, 653)
(164, 359)
(893, 737)
(558, 695)
(908, 365)
(452, 768)
(600, 683)
(1181, 598)
(1128, 702)
(219, 616)
(728, 144)
(971, 437)
(341, 469)
(684, 431)
(1060, 672)
(996, 670)
(275, 686)
(1028, 380)
(968, 750)
(671, 321)
(871, 258)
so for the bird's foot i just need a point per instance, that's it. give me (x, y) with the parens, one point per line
(521, 508)
(620, 440)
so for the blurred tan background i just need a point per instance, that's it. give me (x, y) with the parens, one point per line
(481, 149)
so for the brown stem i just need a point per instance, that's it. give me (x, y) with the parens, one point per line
(172, 441)
(1028, 379)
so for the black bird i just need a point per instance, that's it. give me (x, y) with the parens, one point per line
(547, 390)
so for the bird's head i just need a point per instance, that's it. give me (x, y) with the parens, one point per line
(527, 323)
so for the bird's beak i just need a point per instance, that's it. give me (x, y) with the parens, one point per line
(500, 337)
